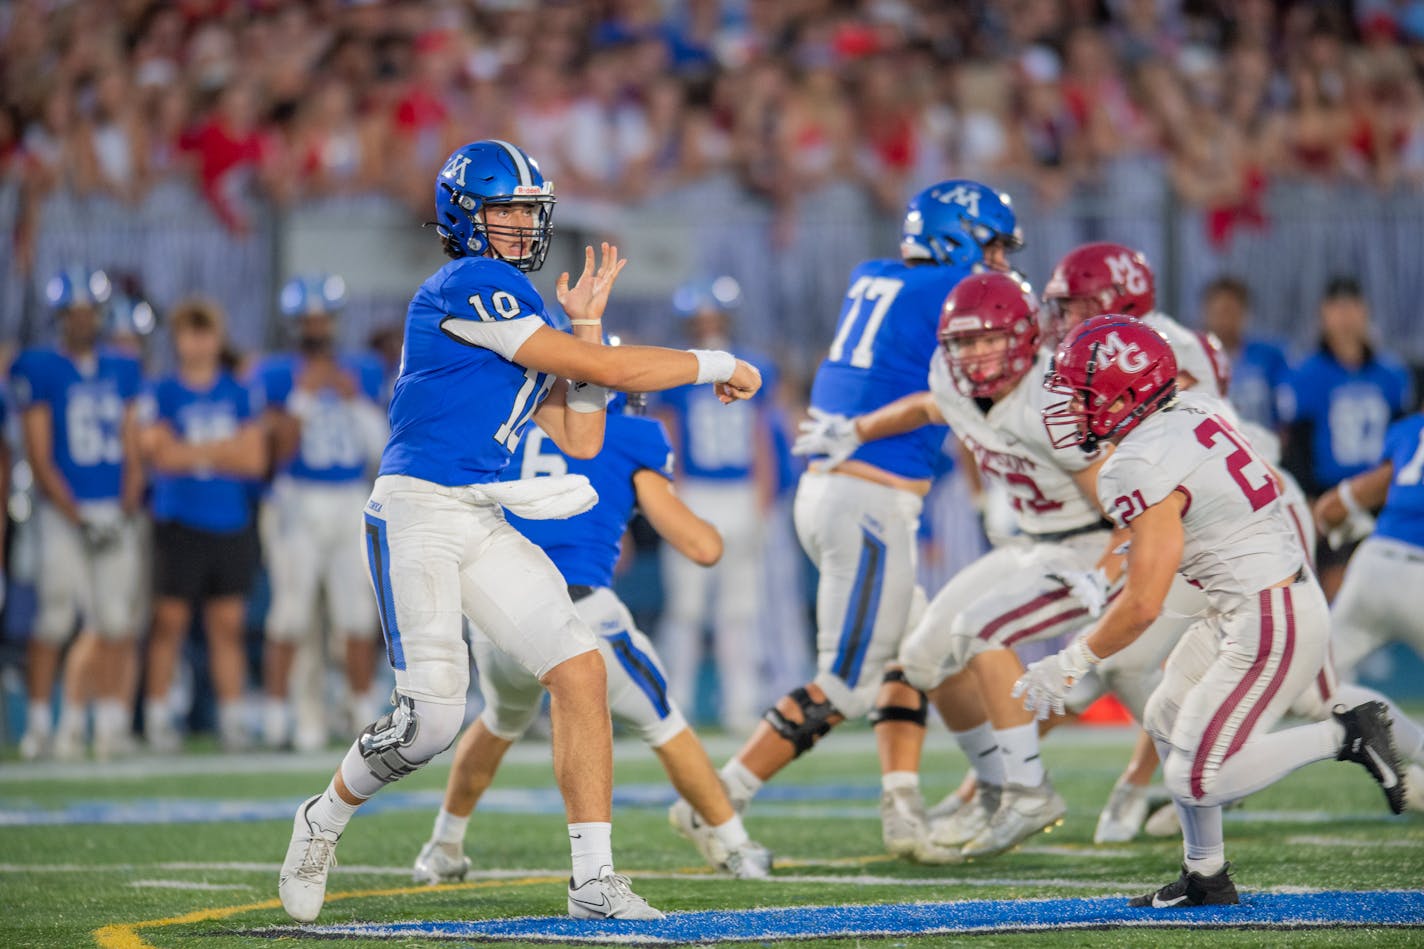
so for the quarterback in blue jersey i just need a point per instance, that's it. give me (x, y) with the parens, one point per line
(1378, 602)
(481, 361)
(323, 410)
(858, 519)
(76, 403)
(634, 469)
(727, 474)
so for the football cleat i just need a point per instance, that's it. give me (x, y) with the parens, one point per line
(1123, 814)
(440, 863)
(35, 745)
(750, 861)
(905, 828)
(1022, 812)
(948, 806)
(608, 896)
(969, 821)
(162, 738)
(68, 745)
(1192, 889)
(1369, 742)
(687, 822)
(310, 856)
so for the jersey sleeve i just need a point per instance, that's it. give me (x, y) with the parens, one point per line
(490, 305)
(274, 378)
(1132, 481)
(651, 448)
(28, 382)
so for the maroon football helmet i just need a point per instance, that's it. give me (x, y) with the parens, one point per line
(1106, 277)
(989, 330)
(1113, 372)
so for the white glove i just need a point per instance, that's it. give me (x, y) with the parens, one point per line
(1354, 527)
(1090, 587)
(825, 433)
(1044, 685)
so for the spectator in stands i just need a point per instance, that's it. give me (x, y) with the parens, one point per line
(203, 439)
(1258, 366)
(1337, 404)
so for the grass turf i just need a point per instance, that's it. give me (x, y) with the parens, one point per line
(1324, 827)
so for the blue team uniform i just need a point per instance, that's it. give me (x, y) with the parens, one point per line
(586, 547)
(718, 440)
(887, 333)
(1257, 374)
(330, 452)
(217, 503)
(1402, 518)
(1342, 413)
(458, 410)
(87, 407)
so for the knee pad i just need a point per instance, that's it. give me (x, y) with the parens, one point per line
(412, 733)
(900, 713)
(815, 721)
(1159, 717)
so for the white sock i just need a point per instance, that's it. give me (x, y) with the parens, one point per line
(898, 780)
(741, 784)
(731, 834)
(155, 716)
(1019, 747)
(111, 717)
(37, 719)
(449, 829)
(591, 845)
(982, 749)
(1204, 849)
(330, 812)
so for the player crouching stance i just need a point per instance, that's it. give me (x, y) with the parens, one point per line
(1195, 498)
(635, 467)
(481, 359)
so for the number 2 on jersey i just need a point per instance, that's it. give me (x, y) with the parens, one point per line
(880, 292)
(1238, 462)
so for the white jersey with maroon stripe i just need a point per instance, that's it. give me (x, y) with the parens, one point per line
(1238, 536)
(1011, 446)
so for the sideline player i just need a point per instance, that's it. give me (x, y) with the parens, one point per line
(633, 469)
(323, 410)
(77, 418)
(985, 382)
(727, 474)
(481, 359)
(857, 515)
(1197, 500)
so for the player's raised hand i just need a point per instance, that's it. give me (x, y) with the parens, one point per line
(586, 299)
(745, 382)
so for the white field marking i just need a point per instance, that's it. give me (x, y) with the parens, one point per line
(1308, 840)
(187, 885)
(1247, 816)
(531, 752)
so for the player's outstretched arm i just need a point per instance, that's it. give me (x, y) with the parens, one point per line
(674, 521)
(637, 368)
(905, 414)
(1354, 496)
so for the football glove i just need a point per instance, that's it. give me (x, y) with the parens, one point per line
(1044, 685)
(826, 433)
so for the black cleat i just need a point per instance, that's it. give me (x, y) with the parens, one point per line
(1369, 742)
(1192, 889)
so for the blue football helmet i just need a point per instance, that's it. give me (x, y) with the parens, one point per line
(485, 173)
(130, 316)
(75, 287)
(951, 222)
(719, 294)
(312, 294)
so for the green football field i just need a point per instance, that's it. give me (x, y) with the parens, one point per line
(184, 852)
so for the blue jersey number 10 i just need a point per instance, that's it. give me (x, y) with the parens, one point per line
(880, 292)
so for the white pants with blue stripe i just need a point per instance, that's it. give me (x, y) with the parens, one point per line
(862, 538)
(437, 554)
(637, 685)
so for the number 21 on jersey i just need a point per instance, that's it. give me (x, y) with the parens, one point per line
(879, 292)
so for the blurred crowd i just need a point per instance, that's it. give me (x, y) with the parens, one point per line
(621, 99)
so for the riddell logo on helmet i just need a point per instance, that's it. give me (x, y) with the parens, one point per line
(959, 324)
(521, 190)
(1128, 356)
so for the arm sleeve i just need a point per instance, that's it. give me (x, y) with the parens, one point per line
(504, 337)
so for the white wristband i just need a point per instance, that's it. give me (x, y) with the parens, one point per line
(1347, 498)
(1080, 648)
(585, 322)
(714, 365)
(586, 397)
